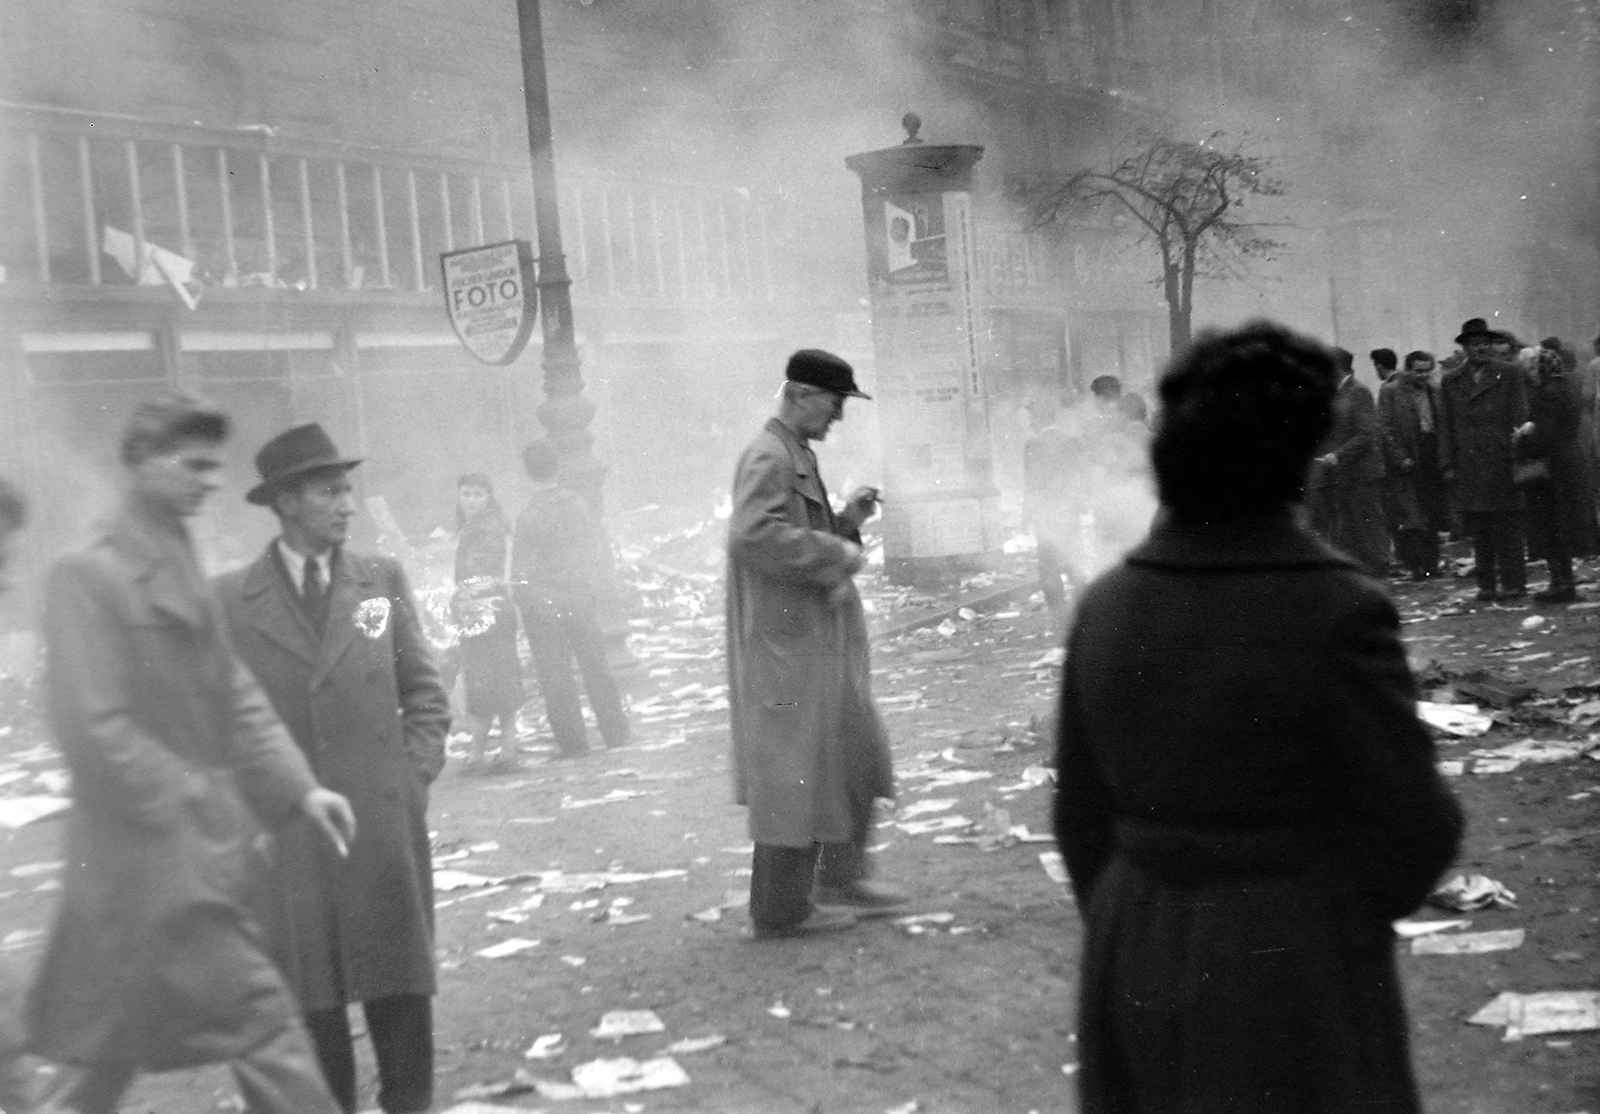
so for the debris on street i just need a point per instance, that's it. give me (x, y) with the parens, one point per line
(1465, 893)
(1468, 943)
(1550, 1011)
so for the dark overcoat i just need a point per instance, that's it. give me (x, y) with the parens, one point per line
(1481, 402)
(1555, 407)
(806, 734)
(1409, 462)
(1247, 799)
(365, 704)
(153, 959)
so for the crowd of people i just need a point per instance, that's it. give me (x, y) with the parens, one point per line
(1246, 797)
(1496, 443)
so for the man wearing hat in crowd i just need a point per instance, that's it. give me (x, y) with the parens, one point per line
(1481, 402)
(810, 752)
(154, 962)
(334, 639)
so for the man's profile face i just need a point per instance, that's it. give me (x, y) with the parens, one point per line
(1478, 345)
(818, 410)
(320, 507)
(181, 478)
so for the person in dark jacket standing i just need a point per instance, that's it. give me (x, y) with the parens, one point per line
(1350, 474)
(334, 638)
(1481, 402)
(1561, 518)
(1247, 798)
(1408, 417)
(155, 961)
(491, 671)
(558, 555)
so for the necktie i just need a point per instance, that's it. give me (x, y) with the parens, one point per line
(313, 591)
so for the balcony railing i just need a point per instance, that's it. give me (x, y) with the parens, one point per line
(97, 199)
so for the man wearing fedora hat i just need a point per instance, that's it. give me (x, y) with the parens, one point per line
(810, 752)
(334, 639)
(1481, 402)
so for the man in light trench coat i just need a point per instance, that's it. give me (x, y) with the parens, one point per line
(154, 962)
(810, 754)
(334, 638)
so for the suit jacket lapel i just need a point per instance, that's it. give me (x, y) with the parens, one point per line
(169, 587)
(270, 607)
(348, 586)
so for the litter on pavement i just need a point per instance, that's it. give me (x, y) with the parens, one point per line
(627, 1023)
(1407, 929)
(1055, 866)
(602, 1079)
(19, 812)
(1454, 719)
(690, 1045)
(1464, 893)
(1550, 1011)
(506, 948)
(1468, 943)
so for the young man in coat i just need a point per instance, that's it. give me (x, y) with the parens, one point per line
(1481, 402)
(334, 639)
(1350, 472)
(810, 754)
(154, 962)
(1408, 416)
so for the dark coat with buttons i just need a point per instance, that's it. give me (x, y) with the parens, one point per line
(1481, 402)
(365, 705)
(1247, 800)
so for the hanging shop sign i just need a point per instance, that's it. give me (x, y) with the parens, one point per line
(490, 297)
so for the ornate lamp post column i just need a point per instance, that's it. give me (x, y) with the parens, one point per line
(565, 412)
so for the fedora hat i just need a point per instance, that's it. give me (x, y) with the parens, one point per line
(817, 368)
(1475, 327)
(294, 452)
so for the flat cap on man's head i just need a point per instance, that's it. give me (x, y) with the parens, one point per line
(816, 368)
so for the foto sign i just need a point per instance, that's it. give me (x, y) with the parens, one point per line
(490, 297)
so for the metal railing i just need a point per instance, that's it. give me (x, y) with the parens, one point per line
(99, 199)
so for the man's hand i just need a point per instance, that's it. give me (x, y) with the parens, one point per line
(332, 813)
(1329, 460)
(862, 505)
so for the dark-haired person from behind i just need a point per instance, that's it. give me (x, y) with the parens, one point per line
(1247, 799)
(558, 555)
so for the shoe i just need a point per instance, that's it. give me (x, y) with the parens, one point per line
(502, 763)
(1486, 595)
(1513, 594)
(863, 898)
(820, 921)
(1557, 593)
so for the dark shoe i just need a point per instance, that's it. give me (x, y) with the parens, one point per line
(1557, 593)
(1486, 595)
(1513, 594)
(820, 921)
(865, 899)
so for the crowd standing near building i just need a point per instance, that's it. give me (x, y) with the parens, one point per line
(297, 700)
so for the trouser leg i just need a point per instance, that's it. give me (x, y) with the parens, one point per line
(330, 1034)
(1511, 552)
(401, 1027)
(99, 1089)
(781, 879)
(552, 661)
(1055, 596)
(1480, 525)
(283, 1077)
(589, 647)
(840, 864)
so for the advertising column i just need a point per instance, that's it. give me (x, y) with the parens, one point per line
(941, 506)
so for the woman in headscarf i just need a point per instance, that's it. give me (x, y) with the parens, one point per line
(1247, 798)
(491, 670)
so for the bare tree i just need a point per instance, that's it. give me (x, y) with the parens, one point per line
(1186, 198)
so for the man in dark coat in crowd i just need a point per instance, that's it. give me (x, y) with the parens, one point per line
(154, 962)
(558, 555)
(1560, 502)
(1408, 417)
(1246, 796)
(1481, 402)
(1350, 475)
(334, 638)
(810, 752)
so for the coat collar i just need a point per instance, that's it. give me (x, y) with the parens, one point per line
(160, 555)
(1272, 540)
(808, 479)
(270, 606)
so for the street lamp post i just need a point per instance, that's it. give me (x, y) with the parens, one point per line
(565, 412)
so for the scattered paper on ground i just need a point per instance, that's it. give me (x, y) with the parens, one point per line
(937, 824)
(1468, 943)
(1464, 893)
(627, 1023)
(600, 1079)
(444, 881)
(17, 812)
(1055, 866)
(696, 1044)
(1550, 1011)
(1455, 719)
(1407, 929)
(507, 947)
